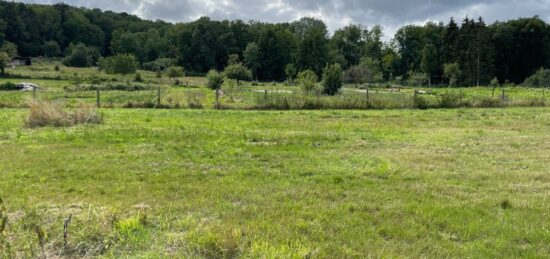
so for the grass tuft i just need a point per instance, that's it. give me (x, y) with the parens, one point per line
(44, 114)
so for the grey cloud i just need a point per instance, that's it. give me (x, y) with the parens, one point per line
(391, 14)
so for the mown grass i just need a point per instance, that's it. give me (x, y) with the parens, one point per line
(332, 184)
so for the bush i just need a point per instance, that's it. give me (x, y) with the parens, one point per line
(451, 99)
(215, 79)
(119, 64)
(137, 77)
(332, 79)
(308, 81)
(4, 61)
(420, 102)
(81, 56)
(44, 114)
(238, 72)
(8, 86)
(160, 64)
(540, 79)
(175, 71)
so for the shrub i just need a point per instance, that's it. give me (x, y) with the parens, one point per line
(80, 56)
(238, 72)
(307, 80)
(159, 64)
(119, 64)
(137, 77)
(44, 113)
(194, 101)
(332, 79)
(420, 102)
(4, 61)
(540, 79)
(176, 71)
(451, 99)
(215, 79)
(8, 86)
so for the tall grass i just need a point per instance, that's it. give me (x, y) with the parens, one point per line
(45, 113)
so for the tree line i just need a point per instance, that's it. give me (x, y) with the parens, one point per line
(465, 53)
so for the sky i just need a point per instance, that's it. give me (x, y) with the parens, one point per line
(390, 14)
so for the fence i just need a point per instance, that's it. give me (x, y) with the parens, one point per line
(248, 97)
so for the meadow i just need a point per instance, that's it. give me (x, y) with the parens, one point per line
(293, 184)
(71, 86)
(273, 172)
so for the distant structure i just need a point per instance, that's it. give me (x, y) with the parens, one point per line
(27, 87)
(21, 61)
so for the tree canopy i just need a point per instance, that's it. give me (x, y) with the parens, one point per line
(510, 51)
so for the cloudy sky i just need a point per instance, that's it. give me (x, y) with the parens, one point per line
(391, 14)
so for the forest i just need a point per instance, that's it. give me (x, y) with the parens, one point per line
(461, 53)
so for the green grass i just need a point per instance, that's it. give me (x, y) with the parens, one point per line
(67, 86)
(329, 184)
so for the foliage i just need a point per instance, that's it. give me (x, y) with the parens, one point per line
(9, 48)
(119, 64)
(540, 79)
(307, 79)
(160, 64)
(252, 57)
(237, 71)
(214, 79)
(51, 49)
(176, 71)
(290, 72)
(8, 86)
(510, 50)
(332, 79)
(452, 72)
(80, 56)
(356, 75)
(418, 79)
(373, 68)
(4, 61)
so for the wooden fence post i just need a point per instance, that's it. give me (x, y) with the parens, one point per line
(217, 98)
(503, 95)
(98, 98)
(265, 98)
(158, 97)
(34, 92)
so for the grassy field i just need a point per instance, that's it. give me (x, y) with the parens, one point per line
(71, 86)
(292, 184)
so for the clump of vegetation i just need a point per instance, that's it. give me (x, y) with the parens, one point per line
(290, 72)
(119, 64)
(540, 79)
(4, 61)
(44, 113)
(51, 49)
(308, 81)
(238, 71)
(214, 79)
(452, 99)
(8, 86)
(81, 56)
(332, 79)
(194, 101)
(160, 64)
(137, 77)
(451, 71)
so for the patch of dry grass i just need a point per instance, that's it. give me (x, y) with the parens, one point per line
(45, 113)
